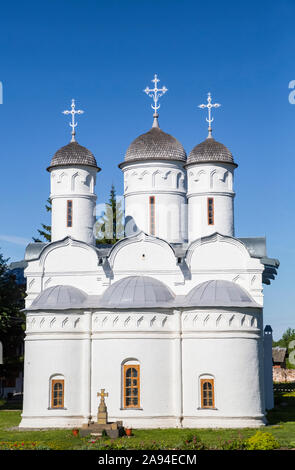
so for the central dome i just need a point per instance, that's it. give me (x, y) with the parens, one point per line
(137, 292)
(73, 154)
(155, 145)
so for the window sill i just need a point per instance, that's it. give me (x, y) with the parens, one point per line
(206, 409)
(127, 409)
(49, 408)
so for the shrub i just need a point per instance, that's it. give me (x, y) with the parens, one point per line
(262, 441)
(191, 442)
(232, 444)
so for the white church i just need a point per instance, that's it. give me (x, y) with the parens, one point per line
(169, 320)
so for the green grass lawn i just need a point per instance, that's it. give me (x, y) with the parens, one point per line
(281, 426)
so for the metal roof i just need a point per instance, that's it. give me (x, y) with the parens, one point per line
(60, 297)
(73, 154)
(210, 151)
(219, 293)
(279, 354)
(137, 292)
(155, 145)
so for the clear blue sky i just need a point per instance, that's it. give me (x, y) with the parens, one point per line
(104, 53)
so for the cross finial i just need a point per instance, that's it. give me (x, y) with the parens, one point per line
(155, 93)
(209, 105)
(73, 124)
(102, 394)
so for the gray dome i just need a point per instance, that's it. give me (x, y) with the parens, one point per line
(73, 154)
(210, 151)
(155, 145)
(137, 292)
(59, 298)
(219, 294)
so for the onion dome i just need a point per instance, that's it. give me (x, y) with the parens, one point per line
(73, 154)
(210, 151)
(155, 145)
(219, 293)
(59, 298)
(137, 292)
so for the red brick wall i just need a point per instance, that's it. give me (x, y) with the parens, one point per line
(283, 375)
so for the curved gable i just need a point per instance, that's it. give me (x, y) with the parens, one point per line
(142, 253)
(219, 252)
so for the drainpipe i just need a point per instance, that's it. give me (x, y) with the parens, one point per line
(178, 370)
(87, 366)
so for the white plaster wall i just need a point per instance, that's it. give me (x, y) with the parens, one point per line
(45, 357)
(210, 180)
(233, 362)
(77, 184)
(166, 181)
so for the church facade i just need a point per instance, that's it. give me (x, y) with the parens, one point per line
(169, 320)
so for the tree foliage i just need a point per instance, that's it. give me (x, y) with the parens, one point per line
(110, 226)
(286, 341)
(12, 320)
(45, 232)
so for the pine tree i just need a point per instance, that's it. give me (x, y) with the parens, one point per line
(110, 227)
(46, 232)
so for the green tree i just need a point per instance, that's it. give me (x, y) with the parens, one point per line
(12, 320)
(287, 337)
(46, 229)
(110, 226)
(284, 342)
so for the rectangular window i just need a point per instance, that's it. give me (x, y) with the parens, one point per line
(57, 394)
(152, 215)
(207, 393)
(69, 213)
(210, 211)
(131, 386)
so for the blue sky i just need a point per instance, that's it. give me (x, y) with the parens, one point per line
(103, 54)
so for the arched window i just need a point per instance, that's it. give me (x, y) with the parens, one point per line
(69, 213)
(57, 393)
(207, 393)
(152, 215)
(210, 208)
(131, 385)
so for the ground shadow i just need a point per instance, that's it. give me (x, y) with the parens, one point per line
(284, 409)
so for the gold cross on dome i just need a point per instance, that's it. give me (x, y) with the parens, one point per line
(73, 124)
(155, 93)
(209, 106)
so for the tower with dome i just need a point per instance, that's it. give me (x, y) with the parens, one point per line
(169, 320)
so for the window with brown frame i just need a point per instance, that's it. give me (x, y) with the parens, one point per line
(152, 215)
(57, 393)
(131, 386)
(207, 393)
(210, 211)
(69, 213)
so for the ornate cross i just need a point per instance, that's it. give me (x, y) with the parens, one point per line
(73, 124)
(155, 93)
(209, 105)
(102, 394)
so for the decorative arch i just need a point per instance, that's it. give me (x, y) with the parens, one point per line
(130, 372)
(207, 391)
(56, 391)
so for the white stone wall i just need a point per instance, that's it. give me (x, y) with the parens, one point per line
(210, 180)
(77, 184)
(174, 350)
(166, 181)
